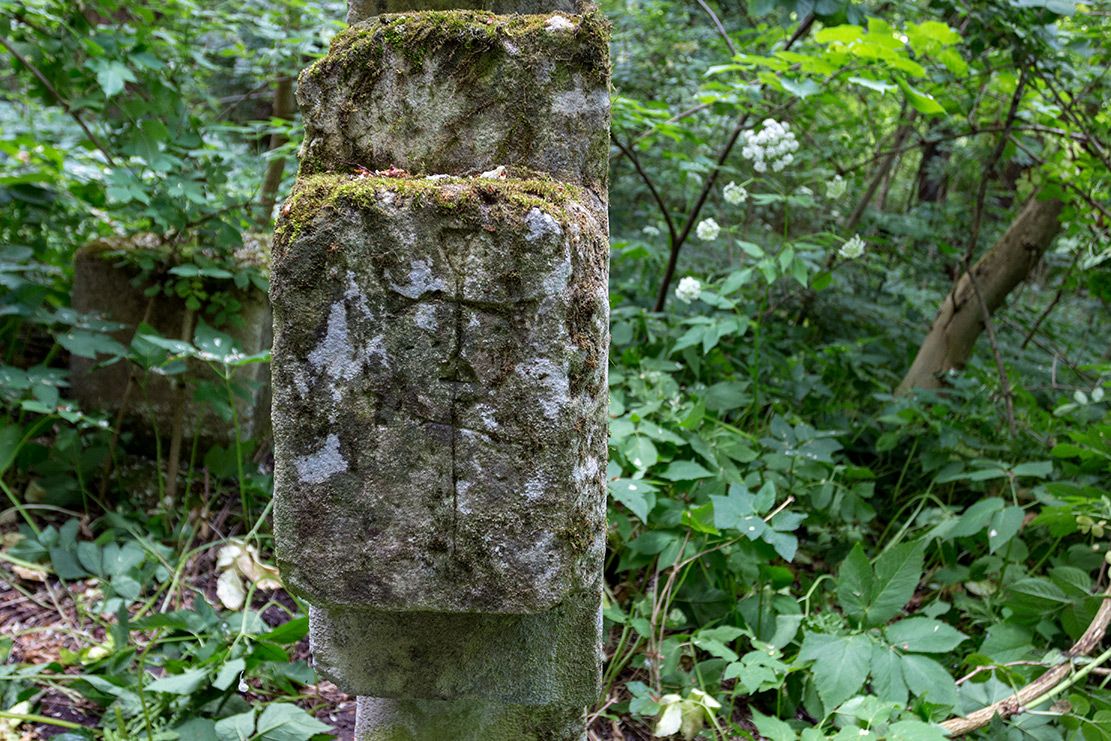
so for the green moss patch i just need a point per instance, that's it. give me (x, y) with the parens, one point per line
(470, 198)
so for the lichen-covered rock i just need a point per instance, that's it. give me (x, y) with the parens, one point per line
(105, 282)
(360, 10)
(462, 92)
(440, 393)
(548, 658)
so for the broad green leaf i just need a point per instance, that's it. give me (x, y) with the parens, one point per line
(112, 76)
(641, 452)
(924, 635)
(1004, 525)
(685, 471)
(922, 102)
(236, 727)
(887, 675)
(840, 665)
(229, 674)
(772, 728)
(896, 577)
(286, 722)
(927, 678)
(1034, 469)
(854, 583)
(915, 730)
(638, 496)
(186, 683)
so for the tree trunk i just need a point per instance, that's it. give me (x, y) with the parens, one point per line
(932, 178)
(960, 320)
(284, 108)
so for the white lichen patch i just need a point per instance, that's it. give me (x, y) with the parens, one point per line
(536, 487)
(541, 225)
(586, 470)
(559, 23)
(335, 356)
(425, 317)
(486, 414)
(463, 503)
(318, 467)
(421, 281)
(552, 379)
(578, 103)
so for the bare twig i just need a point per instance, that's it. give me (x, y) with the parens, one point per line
(1004, 381)
(58, 96)
(717, 23)
(628, 152)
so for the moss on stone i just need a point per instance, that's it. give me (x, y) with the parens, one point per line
(469, 33)
(470, 197)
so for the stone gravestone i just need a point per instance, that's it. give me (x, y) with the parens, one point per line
(439, 288)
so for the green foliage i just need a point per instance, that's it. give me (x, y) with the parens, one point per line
(794, 551)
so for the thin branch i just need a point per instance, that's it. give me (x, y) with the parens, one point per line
(58, 96)
(989, 169)
(628, 152)
(721, 29)
(1004, 381)
(1052, 304)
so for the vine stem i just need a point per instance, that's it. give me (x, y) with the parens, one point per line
(1055, 681)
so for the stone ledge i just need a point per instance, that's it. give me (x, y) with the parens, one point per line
(361, 10)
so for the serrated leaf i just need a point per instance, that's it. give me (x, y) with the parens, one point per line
(854, 583)
(887, 675)
(1004, 525)
(186, 683)
(685, 471)
(285, 721)
(896, 577)
(840, 665)
(927, 678)
(924, 635)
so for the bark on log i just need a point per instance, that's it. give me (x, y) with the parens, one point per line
(960, 320)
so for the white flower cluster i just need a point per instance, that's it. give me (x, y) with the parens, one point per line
(836, 188)
(773, 146)
(852, 249)
(707, 230)
(734, 194)
(689, 290)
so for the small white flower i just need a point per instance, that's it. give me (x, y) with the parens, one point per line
(1097, 394)
(707, 230)
(651, 230)
(689, 290)
(836, 188)
(734, 194)
(760, 166)
(852, 249)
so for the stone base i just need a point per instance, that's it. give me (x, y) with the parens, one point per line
(380, 719)
(550, 658)
(103, 285)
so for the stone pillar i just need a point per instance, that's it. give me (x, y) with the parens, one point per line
(439, 287)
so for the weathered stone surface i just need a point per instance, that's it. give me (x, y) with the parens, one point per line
(462, 92)
(103, 284)
(440, 393)
(549, 658)
(380, 719)
(361, 10)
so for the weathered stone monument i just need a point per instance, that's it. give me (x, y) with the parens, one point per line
(439, 287)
